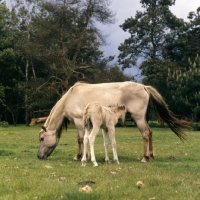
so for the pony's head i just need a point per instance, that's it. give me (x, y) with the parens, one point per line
(48, 142)
(49, 137)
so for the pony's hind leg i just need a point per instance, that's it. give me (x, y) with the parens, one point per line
(147, 138)
(105, 139)
(151, 144)
(85, 143)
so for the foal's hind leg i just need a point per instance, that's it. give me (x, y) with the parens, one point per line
(85, 142)
(92, 137)
(105, 138)
(111, 133)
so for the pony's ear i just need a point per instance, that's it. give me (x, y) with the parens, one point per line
(44, 128)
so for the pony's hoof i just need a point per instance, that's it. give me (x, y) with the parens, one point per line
(143, 160)
(75, 158)
(78, 157)
(152, 156)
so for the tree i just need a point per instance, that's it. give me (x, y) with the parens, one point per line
(54, 44)
(185, 90)
(60, 44)
(75, 40)
(156, 72)
(148, 32)
(10, 67)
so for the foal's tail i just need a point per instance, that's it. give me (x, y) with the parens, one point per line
(165, 115)
(86, 118)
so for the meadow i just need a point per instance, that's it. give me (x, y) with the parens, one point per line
(174, 174)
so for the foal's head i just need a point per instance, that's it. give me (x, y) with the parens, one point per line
(120, 111)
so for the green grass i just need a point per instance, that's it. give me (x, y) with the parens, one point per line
(174, 174)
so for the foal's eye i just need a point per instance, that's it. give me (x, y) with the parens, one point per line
(42, 139)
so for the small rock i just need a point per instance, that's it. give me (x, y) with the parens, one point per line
(62, 179)
(140, 184)
(86, 189)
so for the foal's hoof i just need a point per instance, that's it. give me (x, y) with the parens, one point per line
(117, 162)
(77, 158)
(83, 163)
(95, 164)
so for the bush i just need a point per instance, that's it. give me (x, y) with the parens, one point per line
(196, 126)
(4, 124)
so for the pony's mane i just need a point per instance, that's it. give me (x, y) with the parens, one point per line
(64, 125)
(80, 83)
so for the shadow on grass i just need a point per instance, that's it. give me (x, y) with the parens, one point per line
(6, 153)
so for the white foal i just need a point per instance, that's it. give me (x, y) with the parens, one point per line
(101, 117)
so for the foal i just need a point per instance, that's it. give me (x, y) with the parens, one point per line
(105, 117)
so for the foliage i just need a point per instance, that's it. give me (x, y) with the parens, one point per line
(45, 48)
(75, 39)
(184, 42)
(185, 87)
(147, 32)
(155, 72)
(10, 66)
(4, 124)
(173, 174)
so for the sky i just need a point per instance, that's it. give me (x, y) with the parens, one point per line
(127, 8)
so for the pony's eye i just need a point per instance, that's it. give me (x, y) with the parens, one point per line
(42, 139)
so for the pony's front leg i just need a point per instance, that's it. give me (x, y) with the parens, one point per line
(92, 137)
(105, 138)
(85, 143)
(81, 132)
(114, 145)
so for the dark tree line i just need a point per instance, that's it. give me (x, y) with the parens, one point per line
(47, 46)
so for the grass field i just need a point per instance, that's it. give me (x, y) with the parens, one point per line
(174, 174)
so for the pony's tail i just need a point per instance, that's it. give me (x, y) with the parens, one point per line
(165, 115)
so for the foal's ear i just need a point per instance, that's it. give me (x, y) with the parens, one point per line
(123, 107)
(44, 128)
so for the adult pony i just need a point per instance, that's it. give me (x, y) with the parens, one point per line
(97, 116)
(133, 95)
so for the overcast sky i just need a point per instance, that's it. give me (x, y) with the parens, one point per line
(127, 8)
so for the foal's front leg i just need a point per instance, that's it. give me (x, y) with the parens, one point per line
(105, 138)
